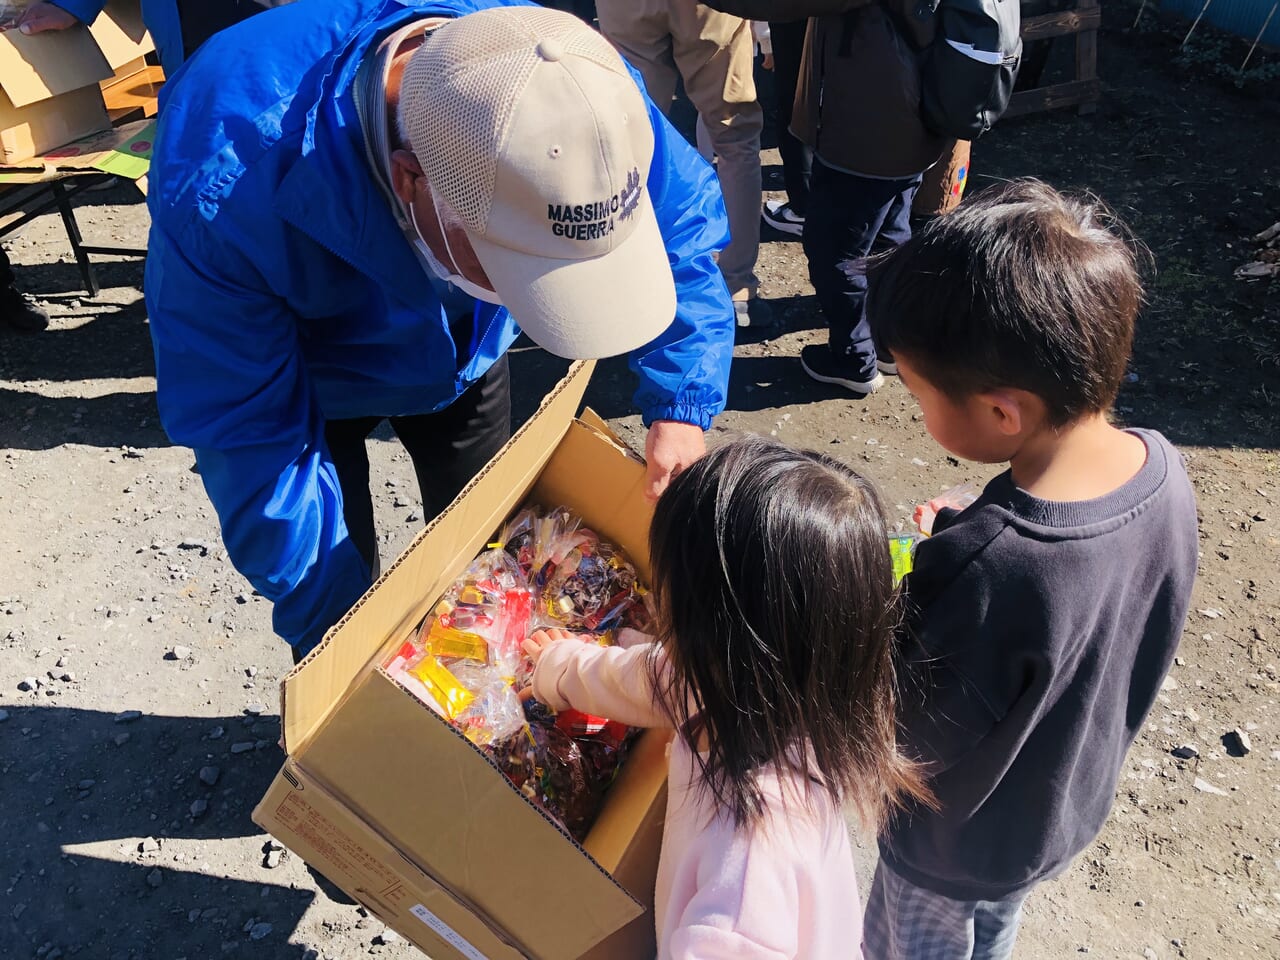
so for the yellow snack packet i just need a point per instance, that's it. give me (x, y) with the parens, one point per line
(452, 696)
(455, 644)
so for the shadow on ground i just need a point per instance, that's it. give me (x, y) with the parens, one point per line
(83, 792)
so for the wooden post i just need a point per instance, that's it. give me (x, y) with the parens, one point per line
(1087, 54)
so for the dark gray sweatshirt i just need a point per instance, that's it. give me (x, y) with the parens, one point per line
(1037, 637)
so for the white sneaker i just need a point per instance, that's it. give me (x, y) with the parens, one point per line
(887, 368)
(781, 217)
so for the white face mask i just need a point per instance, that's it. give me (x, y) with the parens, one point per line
(468, 287)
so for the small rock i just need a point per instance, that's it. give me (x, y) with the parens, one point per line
(28, 684)
(250, 672)
(412, 518)
(1139, 903)
(1169, 684)
(86, 784)
(155, 878)
(62, 662)
(149, 845)
(209, 775)
(1149, 954)
(1192, 715)
(19, 910)
(128, 716)
(178, 653)
(259, 930)
(199, 807)
(386, 937)
(217, 733)
(4, 715)
(1204, 786)
(273, 859)
(256, 709)
(1211, 613)
(120, 739)
(1185, 752)
(244, 746)
(1237, 742)
(68, 677)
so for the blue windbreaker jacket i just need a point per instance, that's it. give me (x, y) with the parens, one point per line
(282, 293)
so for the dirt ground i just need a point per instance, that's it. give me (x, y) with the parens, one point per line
(127, 835)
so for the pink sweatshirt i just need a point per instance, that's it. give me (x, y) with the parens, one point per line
(784, 888)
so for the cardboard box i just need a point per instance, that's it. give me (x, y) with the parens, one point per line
(121, 35)
(124, 151)
(49, 83)
(397, 808)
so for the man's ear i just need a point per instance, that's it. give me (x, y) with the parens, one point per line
(405, 170)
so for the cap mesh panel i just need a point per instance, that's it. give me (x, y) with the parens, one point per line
(460, 88)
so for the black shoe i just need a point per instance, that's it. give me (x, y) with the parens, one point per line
(782, 218)
(822, 365)
(754, 313)
(21, 312)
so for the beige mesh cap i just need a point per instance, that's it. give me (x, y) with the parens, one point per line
(528, 125)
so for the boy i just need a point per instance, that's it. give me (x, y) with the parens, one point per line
(1042, 618)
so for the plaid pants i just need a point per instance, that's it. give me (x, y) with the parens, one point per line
(906, 922)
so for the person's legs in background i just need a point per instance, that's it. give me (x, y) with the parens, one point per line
(797, 159)
(16, 309)
(715, 54)
(641, 31)
(848, 216)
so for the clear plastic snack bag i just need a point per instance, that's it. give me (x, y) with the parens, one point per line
(957, 498)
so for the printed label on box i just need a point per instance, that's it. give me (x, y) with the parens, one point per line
(447, 933)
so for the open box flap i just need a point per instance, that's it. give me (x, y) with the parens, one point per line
(413, 583)
(120, 33)
(618, 510)
(35, 68)
(456, 816)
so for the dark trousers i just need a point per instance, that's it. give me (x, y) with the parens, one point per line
(797, 159)
(6, 271)
(448, 448)
(848, 217)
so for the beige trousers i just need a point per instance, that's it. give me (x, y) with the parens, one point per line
(713, 53)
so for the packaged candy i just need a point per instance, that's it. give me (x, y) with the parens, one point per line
(957, 498)
(452, 643)
(902, 548)
(448, 692)
(496, 715)
(467, 663)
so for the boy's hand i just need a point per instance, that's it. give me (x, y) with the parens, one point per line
(537, 644)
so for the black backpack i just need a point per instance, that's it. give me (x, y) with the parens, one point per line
(967, 73)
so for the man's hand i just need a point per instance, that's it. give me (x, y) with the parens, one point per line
(40, 17)
(670, 447)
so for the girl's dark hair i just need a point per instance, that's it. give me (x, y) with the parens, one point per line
(1020, 287)
(776, 608)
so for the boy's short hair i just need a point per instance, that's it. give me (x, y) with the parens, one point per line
(1022, 287)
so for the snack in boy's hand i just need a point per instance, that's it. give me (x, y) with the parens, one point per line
(957, 498)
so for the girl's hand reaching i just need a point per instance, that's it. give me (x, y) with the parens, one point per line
(542, 639)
